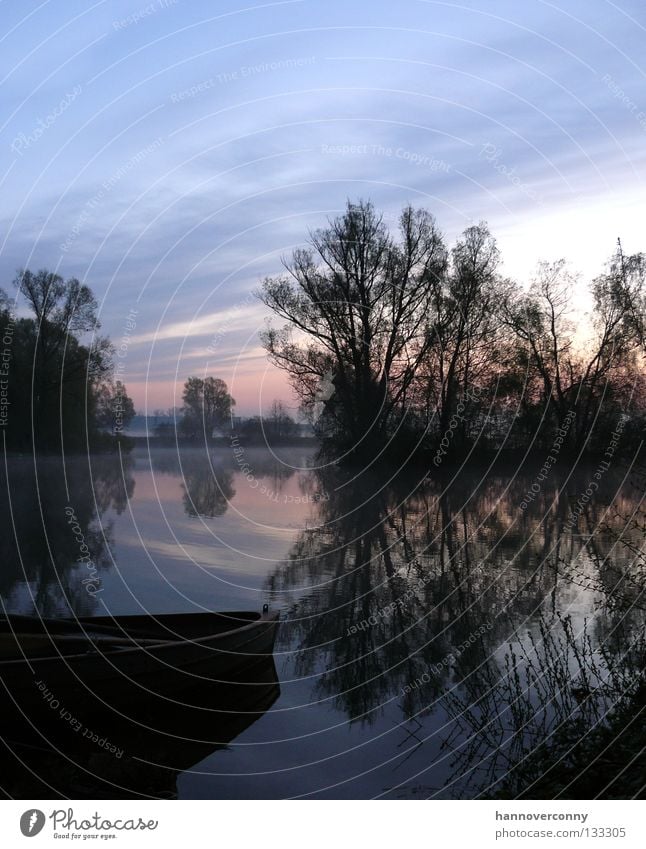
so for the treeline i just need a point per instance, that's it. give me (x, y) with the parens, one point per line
(401, 343)
(275, 428)
(207, 414)
(57, 392)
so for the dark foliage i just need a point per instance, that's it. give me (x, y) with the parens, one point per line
(57, 389)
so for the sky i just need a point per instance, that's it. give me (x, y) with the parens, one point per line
(170, 153)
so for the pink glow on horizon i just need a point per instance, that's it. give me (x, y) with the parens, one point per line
(253, 391)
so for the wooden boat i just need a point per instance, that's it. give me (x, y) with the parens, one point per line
(120, 757)
(113, 662)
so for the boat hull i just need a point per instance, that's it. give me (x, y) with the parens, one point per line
(197, 653)
(139, 756)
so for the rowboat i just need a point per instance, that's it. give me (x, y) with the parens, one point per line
(135, 755)
(118, 661)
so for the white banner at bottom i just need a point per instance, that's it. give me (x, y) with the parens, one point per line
(321, 824)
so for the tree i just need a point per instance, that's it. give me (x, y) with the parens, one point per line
(541, 322)
(207, 405)
(65, 306)
(359, 298)
(252, 430)
(611, 374)
(280, 425)
(114, 407)
(54, 378)
(589, 377)
(391, 341)
(462, 332)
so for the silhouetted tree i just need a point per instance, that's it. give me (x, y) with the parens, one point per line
(54, 382)
(114, 407)
(592, 376)
(462, 332)
(360, 298)
(392, 343)
(207, 405)
(279, 424)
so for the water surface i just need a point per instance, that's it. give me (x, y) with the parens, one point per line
(434, 627)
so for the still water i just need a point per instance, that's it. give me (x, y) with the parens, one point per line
(434, 627)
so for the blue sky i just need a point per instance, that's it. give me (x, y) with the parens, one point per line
(169, 153)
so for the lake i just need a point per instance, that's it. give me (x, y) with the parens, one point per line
(437, 627)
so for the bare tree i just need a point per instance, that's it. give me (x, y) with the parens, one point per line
(540, 319)
(597, 371)
(358, 300)
(281, 424)
(462, 327)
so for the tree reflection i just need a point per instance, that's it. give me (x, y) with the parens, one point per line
(208, 478)
(58, 537)
(404, 596)
(385, 597)
(533, 725)
(207, 490)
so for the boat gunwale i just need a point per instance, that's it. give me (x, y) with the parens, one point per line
(263, 618)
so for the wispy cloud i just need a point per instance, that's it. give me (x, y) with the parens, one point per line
(264, 120)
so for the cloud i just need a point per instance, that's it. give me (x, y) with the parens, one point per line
(239, 169)
(214, 326)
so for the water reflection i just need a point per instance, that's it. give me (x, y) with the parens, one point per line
(207, 480)
(404, 597)
(57, 547)
(207, 492)
(536, 721)
(438, 638)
